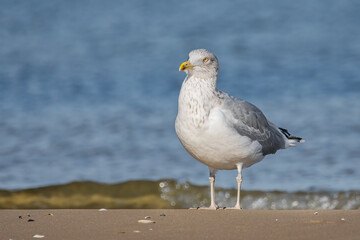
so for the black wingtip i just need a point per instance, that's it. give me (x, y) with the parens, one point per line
(299, 139)
(288, 135)
(285, 132)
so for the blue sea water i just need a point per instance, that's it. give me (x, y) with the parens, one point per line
(88, 89)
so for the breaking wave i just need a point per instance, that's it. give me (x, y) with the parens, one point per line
(168, 194)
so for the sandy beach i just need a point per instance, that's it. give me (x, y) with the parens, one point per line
(179, 224)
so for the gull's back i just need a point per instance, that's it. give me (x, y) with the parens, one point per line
(249, 121)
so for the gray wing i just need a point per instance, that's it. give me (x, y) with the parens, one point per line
(251, 122)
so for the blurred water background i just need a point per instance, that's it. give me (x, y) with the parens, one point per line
(88, 92)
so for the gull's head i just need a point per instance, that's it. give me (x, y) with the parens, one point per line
(201, 64)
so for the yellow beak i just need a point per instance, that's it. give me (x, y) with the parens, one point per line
(185, 65)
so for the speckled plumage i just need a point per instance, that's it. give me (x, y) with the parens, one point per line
(219, 130)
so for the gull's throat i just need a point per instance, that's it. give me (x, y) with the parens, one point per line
(196, 100)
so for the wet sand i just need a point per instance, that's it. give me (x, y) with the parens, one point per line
(179, 224)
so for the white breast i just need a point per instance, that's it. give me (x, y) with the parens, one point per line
(216, 144)
(206, 131)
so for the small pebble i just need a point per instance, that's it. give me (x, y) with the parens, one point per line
(162, 215)
(150, 229)
(276, 220)
(145, 221)
(28, 215)
(38, 236)
(316, 213)
(102, 210)
(31, 220)
(20, 217)
(136, 231)
(342, 219)
(147, 217)
(50, 214)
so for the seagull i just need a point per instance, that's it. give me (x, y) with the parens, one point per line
(221, 131)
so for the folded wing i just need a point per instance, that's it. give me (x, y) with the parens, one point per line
(249, 121)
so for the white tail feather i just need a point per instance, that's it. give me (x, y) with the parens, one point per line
(292, 142)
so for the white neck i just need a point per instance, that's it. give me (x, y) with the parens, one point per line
(196, 99)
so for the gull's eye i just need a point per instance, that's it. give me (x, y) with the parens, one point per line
(205, 60)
